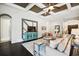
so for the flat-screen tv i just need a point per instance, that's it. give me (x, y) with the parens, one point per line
(32, 29)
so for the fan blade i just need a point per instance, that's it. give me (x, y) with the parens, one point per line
(59, 5)
(40, 5)
(56, 7)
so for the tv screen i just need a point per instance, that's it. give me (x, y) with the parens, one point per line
(32, 29)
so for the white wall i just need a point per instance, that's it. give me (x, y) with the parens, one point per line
(16, 23)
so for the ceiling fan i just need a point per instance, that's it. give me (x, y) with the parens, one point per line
(51, 6)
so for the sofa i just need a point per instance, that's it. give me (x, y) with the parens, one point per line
(50, 50)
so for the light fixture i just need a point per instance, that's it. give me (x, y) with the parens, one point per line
(51, 6)
(49, 9)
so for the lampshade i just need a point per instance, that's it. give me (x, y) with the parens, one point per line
(75, 31)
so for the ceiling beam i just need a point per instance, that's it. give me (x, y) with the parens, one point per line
(29, 6)
(40, 5)
(68, 6)
(59, 4)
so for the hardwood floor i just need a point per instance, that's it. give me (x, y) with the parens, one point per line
(8, 49)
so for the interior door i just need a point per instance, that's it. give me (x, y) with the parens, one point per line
(5, 29)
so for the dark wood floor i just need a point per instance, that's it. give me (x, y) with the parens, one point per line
(8, 49)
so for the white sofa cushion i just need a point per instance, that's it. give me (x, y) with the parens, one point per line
(54, 43)
(67, 51)
(63, 44)
(53, 52)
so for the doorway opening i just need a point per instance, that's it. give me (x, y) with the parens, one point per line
(5, 28)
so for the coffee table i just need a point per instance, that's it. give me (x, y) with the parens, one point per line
(47, 40)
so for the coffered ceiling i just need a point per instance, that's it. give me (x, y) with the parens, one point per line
(38, 8)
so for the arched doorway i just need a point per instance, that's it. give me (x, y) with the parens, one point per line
(5, 30)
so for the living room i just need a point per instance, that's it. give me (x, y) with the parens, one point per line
(42, 21)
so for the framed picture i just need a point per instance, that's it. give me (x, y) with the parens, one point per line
(43, 27)
(57, 28)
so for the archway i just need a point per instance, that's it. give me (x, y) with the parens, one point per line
(5, 28)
